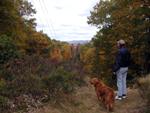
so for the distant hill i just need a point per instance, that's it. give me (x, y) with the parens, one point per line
(75, 42)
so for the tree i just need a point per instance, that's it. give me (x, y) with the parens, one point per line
(16, 20)
(66, 52)
(122, 19)
(39, 44)
(87, 57)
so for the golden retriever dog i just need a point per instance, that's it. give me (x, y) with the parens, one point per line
(104, 93)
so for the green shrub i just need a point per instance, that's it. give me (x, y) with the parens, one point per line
(29, 84)
(35, 77)
(23, 75)
(3, 104)
(2, 84)
(59, 82)
(8, 49)
(144, 89)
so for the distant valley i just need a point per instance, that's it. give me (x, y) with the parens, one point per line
(76, 42)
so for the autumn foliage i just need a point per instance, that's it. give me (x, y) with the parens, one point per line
(121, 19)
(35, 66)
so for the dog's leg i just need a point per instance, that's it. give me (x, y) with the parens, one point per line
(111, 107)
(108, 105)
(98, 96)
(103, 99)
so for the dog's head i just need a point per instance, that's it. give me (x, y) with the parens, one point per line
(94, 81)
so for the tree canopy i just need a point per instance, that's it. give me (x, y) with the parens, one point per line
(122, 19)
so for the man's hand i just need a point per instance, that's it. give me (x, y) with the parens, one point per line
(114, 73)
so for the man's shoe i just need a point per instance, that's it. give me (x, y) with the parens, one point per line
(124, 96)
(118, 97)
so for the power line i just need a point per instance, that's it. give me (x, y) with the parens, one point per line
(50, 19)
(44, 11)
(41, 20)
(47, 23)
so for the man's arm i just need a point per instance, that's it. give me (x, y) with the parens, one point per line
(117, 62)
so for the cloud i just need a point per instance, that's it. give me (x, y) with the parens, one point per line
(65, 19)
(58, 7)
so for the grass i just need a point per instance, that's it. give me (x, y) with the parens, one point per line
(85, 101)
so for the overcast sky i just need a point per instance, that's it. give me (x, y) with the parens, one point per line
(65, 19)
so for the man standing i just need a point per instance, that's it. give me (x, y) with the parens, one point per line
(121, 68)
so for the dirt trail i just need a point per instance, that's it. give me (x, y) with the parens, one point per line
(85, 101)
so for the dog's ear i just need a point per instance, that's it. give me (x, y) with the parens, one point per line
(94, 81)
(101, 83)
